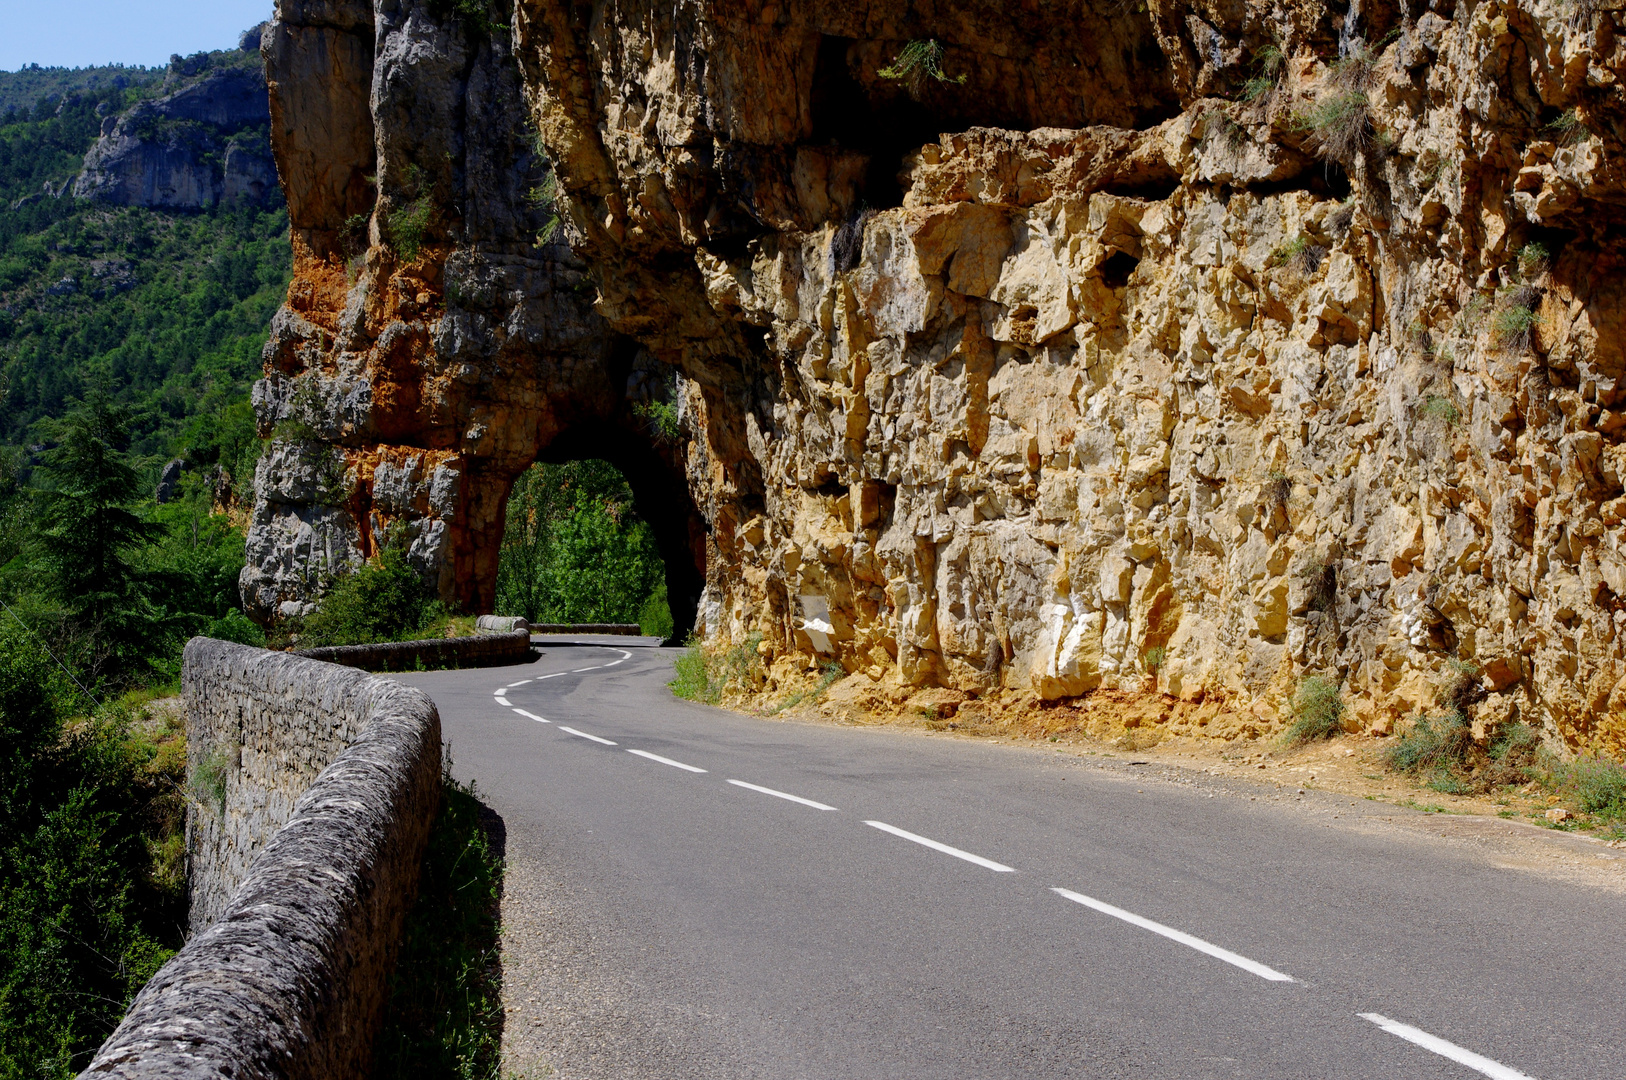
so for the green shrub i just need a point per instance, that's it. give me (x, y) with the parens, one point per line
(444, 1015)
(209, 777)
(1268, 63)
(1569, 129)
(1340, 125)
(1433, 744)
(407, 227)
(1515, 737)
(1435, 407)
(693, 675)
(1514, 326)
(575, 549)
(655, 617)
(1318, 710)
(1153, 658)
(703, 676)
(90, 904)
(917, 62)
(384, 600)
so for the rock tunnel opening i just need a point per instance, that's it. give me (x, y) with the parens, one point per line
(602, 529)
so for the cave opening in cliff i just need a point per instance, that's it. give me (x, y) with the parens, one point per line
(601, 530)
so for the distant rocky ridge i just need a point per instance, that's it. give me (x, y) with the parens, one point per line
(202, 144)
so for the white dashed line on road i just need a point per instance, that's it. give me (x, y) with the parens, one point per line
(531, 716)
(664, 760)
(504, 702)
(1181, 936)
(944, 848)
(511, 685)
(584, 735)
(782, 795)
(1478, 1062)
(579, 670)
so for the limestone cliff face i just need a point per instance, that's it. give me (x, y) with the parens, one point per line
(1232, 342)
(198, 146)
(1105, 353)
(434, 343)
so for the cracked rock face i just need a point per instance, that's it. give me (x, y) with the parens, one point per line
(1220, 345)
(1108, 360)
(434, 343)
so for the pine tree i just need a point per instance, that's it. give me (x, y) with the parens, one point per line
(90, 534)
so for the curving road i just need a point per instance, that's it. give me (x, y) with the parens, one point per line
(694, 893)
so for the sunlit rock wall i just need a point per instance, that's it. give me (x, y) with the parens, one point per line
(1093, 359)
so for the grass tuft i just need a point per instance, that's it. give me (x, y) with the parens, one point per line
(1268, 63)
(1436, 407)
(1318, 710)
(1300, 253)
(1513, 327)
(1569, 129)
(1340, 125)
(702, 676)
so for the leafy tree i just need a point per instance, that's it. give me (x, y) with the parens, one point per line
(386, 600)
(574, 548)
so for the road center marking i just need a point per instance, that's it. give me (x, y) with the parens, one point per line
(531, 716)
(579, 670)
(584, 735)
(781, 795)
(664, 760)
(504, 702)
(1181, 936)
(1450, 1050)
(944, 848)
(511, 685)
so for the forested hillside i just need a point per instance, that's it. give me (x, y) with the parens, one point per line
(129, 337)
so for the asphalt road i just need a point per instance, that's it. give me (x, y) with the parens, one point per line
(664, 921)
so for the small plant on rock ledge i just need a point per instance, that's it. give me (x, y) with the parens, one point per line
(1340, 125)
(1569, 129)
(1514, 325)
(917, 62)
(1269, 63)
(1278, 488)
(1436, 407)
(1153, 660)
(1300, 253)
(1222, 128)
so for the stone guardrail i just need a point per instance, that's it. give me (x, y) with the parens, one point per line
(481, 650)
(314, 788)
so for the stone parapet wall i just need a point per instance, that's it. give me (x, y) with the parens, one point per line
(314, 791)
(482, 650)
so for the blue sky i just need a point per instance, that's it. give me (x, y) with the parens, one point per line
(81, 33)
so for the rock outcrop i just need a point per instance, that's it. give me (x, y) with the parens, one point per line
(203, 144)
(1075, 347)
(437, 339)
